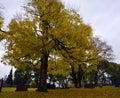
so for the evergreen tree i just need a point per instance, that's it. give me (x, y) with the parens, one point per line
(9, 80)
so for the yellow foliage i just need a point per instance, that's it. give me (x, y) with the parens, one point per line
(46, 28)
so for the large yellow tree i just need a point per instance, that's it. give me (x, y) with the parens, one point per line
(47, 27)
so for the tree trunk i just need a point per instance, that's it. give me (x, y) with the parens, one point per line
(79, 81)
(75, 83)
(74, 76)
(79, 76)
(96, 78)
(42, 85)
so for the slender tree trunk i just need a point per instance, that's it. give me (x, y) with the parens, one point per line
(96, 75)
(96, 78)
(79, 76)
(74, 76)
(79, 81)
(42, 85)
(1, 84)
(75, 83)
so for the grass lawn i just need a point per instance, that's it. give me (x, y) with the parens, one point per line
(105, 92)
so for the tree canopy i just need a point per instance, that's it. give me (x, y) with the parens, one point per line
(48, 27)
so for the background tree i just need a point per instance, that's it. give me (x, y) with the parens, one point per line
(104, 52)
(102, 75)
(113, 71)
(58, 71)
(23, 75)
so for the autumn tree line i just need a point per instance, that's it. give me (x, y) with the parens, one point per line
(51, 43)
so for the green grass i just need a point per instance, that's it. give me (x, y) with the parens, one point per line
(105, 92)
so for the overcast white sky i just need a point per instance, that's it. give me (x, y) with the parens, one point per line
(102, 15)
